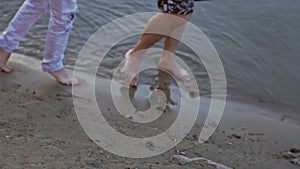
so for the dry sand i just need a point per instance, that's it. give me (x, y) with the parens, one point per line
(39, 129)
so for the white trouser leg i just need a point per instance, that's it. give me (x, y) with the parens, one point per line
(26, 16)
(62, 16)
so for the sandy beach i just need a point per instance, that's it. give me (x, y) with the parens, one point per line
(39, 129)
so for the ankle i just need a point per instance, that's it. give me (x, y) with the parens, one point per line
(166, 60)
(136, 54)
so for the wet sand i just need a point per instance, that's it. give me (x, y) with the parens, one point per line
(39, 129)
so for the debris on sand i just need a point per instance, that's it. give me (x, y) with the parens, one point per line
(183, 160)
(296, 161)
(293, 154)
(289, 155)
(236, 136)
(295, 150)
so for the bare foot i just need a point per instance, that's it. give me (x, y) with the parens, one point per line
(130, 68)
(4, 56)
(64, 78)
(170, 65)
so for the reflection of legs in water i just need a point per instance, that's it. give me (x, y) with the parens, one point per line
(157, 28)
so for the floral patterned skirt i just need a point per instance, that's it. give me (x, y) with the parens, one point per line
(182, 7)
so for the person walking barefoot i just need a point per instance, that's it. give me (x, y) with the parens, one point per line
(62, 16)
(4, 56)
(168, 24)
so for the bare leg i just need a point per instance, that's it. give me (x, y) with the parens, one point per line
(131, 67)
(157, 28)
(133, 57)
(4, 56)
(147, 39)
(168, 62)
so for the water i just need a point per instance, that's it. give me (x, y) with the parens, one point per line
(258, 42)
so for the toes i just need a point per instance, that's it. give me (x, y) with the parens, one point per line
(10, 68)
(72, 82)
(130, 78)
(75, 82)
(180, 74)
(63, 78)
(187, 78)
(134, 82)
(184, 78)
(6, 69)
(184, 75)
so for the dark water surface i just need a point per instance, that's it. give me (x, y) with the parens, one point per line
(258, 41)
